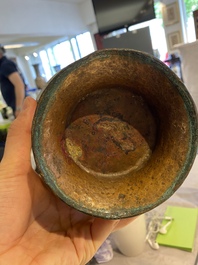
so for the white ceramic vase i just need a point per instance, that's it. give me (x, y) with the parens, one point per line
(130, 240)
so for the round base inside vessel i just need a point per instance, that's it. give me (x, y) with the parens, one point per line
(111, 132)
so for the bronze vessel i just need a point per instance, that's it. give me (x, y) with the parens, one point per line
(115, 133)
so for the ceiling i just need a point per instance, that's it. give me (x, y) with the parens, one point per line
(37, 22)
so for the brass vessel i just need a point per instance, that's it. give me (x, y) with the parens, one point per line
(115, 133)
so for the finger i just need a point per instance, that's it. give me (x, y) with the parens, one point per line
(18, 142)
(122, 223)
(101, 229)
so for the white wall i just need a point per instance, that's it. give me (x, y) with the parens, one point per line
(179, 26)
(87, 12)
(88, 16)
(189, 57)
(40, 18)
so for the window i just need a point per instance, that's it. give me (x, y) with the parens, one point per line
(51, 57)
(58, 56)
(75, 48)
(85, 44)
(63, 54)
(45, 64)
(191, 5)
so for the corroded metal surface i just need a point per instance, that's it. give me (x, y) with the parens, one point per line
(115, 133)
(107, 139)
(105, 146)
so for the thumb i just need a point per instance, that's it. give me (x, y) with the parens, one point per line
(18, 142)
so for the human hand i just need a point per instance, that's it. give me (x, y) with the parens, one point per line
(36, 227)
(16, 113)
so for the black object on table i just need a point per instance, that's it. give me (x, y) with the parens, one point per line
(2, 146)
(174, 62)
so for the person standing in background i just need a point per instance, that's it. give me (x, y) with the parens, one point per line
(11, 83)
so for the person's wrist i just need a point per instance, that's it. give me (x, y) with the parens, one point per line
(18, 108)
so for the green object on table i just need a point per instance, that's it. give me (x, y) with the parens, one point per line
(181, 233)
(4, 125)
